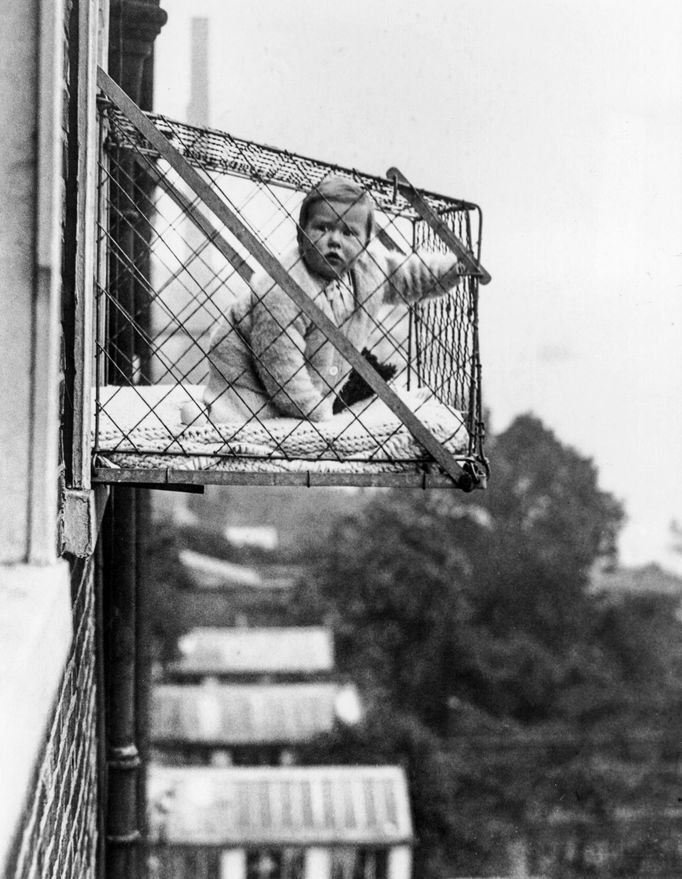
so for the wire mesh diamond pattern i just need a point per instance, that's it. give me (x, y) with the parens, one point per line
(170, 273)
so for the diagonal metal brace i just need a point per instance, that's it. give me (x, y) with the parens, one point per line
(280, 276)
(444, 232)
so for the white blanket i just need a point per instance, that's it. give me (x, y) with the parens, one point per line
(140, 427)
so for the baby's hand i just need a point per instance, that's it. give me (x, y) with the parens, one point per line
(421, 277)
(432, 277)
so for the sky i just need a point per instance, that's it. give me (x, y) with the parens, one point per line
(563, 120)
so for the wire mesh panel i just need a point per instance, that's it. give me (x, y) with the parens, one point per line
(208, 370)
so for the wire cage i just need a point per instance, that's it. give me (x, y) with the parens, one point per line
(401, 399)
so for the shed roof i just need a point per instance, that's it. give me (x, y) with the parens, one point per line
(271, 650)
(218, 573)
(647, 578)
(318, 805)
(242, 714)
(211, 573)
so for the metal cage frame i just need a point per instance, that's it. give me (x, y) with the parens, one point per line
(135, 148)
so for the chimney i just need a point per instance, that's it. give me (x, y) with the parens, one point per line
(197, 109)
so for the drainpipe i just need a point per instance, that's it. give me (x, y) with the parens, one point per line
(133, 27)
(120, 570)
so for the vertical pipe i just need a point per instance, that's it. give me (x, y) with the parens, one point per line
(134, 25)
(143, 656)
(143, 511)
(122, 755)
(102, 556)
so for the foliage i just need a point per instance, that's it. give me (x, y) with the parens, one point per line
(472, 618)
(299, 515)
(437, 778)
(550, 523)
(387, 583)
(165, 585)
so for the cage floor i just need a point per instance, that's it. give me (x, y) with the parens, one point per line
(140, 438)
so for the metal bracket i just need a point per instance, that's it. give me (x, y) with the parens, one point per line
(80, 532)
(81, 518)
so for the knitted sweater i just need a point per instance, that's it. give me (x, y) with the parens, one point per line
(268, 358)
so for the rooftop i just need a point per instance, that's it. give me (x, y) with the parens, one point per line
(211, 573)
(242, 714)
(270, 650)
(648, 578)
(320, 805)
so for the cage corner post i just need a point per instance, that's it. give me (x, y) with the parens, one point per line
(134, 25)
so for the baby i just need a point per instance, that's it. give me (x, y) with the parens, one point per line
(268, 359)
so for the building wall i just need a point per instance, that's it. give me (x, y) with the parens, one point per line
(311, 862)
(59, 835)
(18, 88)
(48, 737)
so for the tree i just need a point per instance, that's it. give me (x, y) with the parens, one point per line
(550, 523)
(445, 834)
(482, 603)
(435, 595)
(390, 582)
(166, 587)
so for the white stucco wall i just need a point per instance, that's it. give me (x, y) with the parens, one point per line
(18, 161)
(31, 187)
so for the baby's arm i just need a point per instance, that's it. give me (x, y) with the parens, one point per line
(278, 343)
(420, 276)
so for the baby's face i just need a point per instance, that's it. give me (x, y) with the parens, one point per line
(333, 237)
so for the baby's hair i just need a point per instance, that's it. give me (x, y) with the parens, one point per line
(338, 189)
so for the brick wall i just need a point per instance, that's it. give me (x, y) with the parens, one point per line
(53, 740)
(60, 835)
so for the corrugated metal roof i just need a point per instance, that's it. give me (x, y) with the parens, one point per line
(209, 572)
(312, 805)
(216, 573)
(216, 651)
(263, 536)
(242, 714)
(647, 578)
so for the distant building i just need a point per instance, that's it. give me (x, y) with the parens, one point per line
(259, 536)
(244, 724)
(249, 654)
(647, 578)
(211, 573)
(322, 822)
(228, 594)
